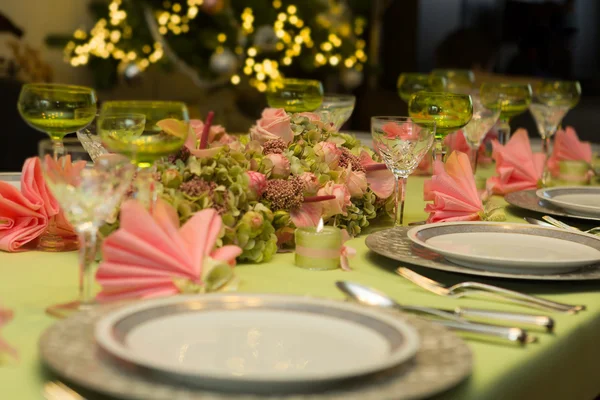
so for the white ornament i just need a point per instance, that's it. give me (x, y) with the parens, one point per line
(224, 62)
(351, 78)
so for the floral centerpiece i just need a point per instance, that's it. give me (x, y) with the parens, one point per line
(290, 171)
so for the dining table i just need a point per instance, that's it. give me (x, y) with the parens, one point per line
(561, 365)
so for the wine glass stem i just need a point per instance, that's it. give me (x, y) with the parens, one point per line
(474, 158)
(87, 256)
(503, 131)
(439, 151)
(146, 187)
(546, 177)
(58, 148)
(400, 189)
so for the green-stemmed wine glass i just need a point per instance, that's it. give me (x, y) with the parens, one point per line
(482, 121)
(402, 144)
(449, 111)
(511, 98)
(295, 95)
(457, 80)
(89, 196)
(57, 109)
(551, 102)
(119, 127)
(413, 82)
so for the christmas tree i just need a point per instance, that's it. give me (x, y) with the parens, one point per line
(220, 42)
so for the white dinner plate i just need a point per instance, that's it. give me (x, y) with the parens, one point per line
(506, 247)
(581, 200)
(14, 178)
(256, 343)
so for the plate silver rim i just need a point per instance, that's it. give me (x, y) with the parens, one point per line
(420, 234)
(528, 200)
(68, 349)
(394, 244)
(112, 329)
(548, 193)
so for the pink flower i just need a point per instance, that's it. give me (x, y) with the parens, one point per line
(257, 185)
(380, 179)
(275, 123)
(281, 166)
(217, 135)
(311, 183)
(339, 204)
(356, 181)
(328, 153)
(311, 116)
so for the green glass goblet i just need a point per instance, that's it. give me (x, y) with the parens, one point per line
(448, 111)
(57, 110)
(295, 95)
(413, 82)
(511, 99)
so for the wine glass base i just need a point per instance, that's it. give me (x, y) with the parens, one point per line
(65, 310)
(55, 243)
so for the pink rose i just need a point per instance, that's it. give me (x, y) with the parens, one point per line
(311, 116)
(257, 185)
(337, 205)
(328, 153)
(274, 124)
(281, 166)
(356, 181)
(311, 183)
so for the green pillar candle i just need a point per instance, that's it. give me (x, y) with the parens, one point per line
(318, 250)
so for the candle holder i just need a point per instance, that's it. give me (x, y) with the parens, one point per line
(573, 172)
(318, 250)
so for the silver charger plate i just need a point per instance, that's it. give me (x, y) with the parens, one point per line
(69, 349)
(528, 200)
(395, 244)
(14, 178)
(256, 343)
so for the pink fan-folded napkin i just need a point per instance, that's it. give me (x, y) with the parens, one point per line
(151, 256)
(24, 214)
(517, 166)
(568, 147)
(453, 192)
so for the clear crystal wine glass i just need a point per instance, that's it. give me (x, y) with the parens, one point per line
(402, 144)
(482, 121)
(88, 196)
(336, 109)
(551, 102)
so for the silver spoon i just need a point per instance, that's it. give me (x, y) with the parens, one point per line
(562, 225)
(371, 297)
(534, 221)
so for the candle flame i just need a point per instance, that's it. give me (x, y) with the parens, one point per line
(320, 225)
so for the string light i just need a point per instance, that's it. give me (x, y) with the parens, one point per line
(107, 39)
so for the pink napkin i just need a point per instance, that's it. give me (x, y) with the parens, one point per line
(151, 256)
(5, 317)
(453, 191)
(517, 166)
(568, 147)
(24, 214)
(457, 142)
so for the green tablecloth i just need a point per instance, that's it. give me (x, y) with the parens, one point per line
(563, 365)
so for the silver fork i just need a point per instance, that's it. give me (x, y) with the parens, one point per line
(56, 390)
(481, 289)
